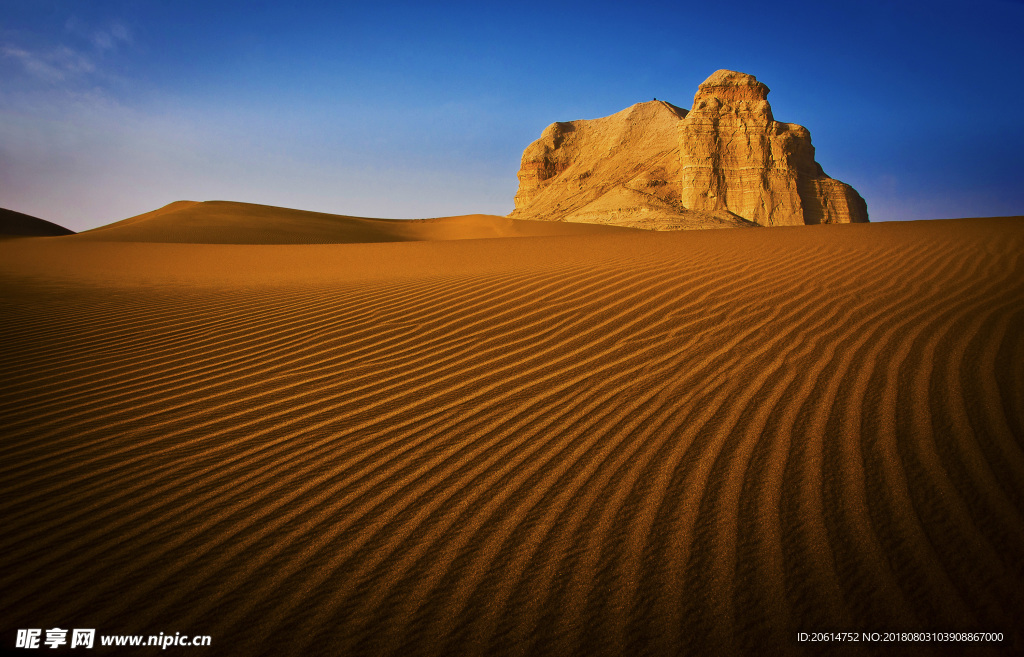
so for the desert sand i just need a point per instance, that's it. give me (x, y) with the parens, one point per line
(228, 222)
(603, 442)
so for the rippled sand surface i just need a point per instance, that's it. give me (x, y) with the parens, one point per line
(592, 444)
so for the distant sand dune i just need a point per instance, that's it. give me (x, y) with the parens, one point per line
(228, 222)
(617, 443)
(16, 224)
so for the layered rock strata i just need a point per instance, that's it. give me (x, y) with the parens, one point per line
(735, 156)
(653, 165)
(622, 169)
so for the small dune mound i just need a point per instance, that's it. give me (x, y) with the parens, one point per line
(227, 222)
(16, 224)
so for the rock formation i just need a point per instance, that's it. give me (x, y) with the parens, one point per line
(735, 156)
(727, 162)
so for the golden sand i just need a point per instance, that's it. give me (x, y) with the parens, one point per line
(615, 443)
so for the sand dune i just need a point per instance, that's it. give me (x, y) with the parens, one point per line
(617, 443)
(227, 222)
(16, 224)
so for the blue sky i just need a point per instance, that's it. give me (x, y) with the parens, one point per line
(113, 108)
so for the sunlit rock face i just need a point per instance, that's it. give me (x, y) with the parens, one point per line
(725, 163)
(735, 156)
(621, 169)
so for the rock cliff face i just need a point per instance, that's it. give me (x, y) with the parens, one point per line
(653, 165)
(735, 156)
(622, 169)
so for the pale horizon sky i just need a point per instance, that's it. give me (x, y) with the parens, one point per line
(109, 109)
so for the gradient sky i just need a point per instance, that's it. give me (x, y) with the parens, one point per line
(113, 108)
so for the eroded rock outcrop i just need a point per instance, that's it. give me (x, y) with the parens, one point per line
(622, 169)
(735, 156)
(725, 163)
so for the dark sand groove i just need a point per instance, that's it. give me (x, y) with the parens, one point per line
(641, 444)
(772, 485)
(894, 516)
(803, 533)
(701, 458)
(218, 360)
(958, 515)
(294, 313)
(867, 572)
(761, 565)
(733, 547)
(735, 400)
(984, 347)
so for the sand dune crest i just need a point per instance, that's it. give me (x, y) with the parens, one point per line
(16, 224)
(227, 222)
